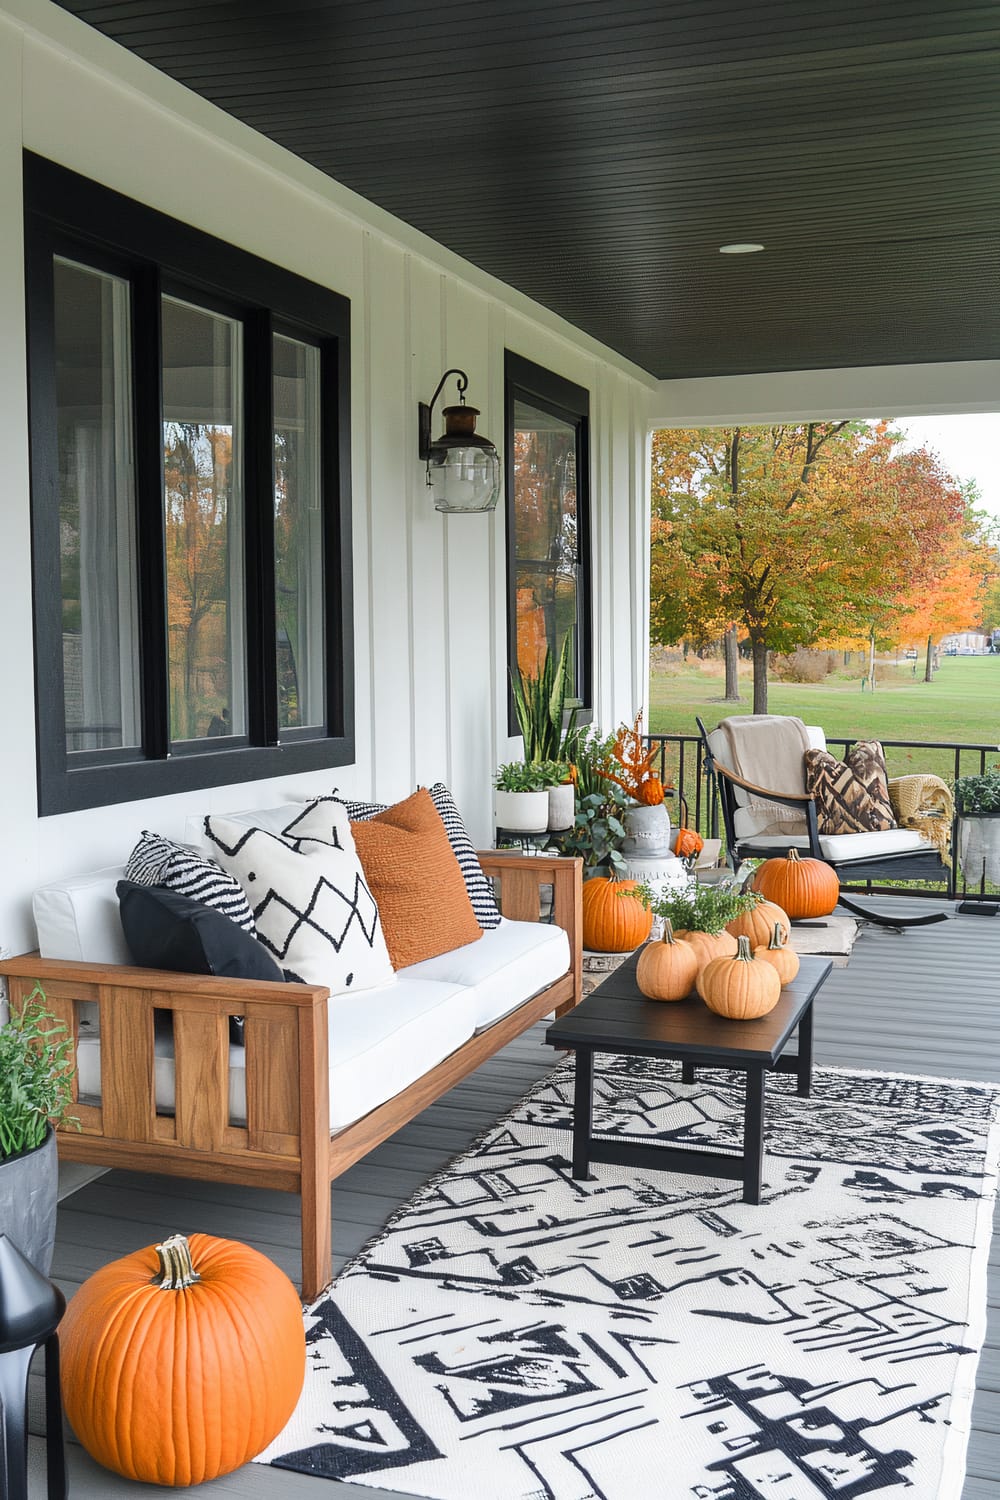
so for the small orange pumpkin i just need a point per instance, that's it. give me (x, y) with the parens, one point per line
(740, 988)
(802, 887)
(688, 843)
(182, 1361)
(650, 791)
(777, 953)
(758, 923)
(614, 921)
(667, 970)
(707, 945)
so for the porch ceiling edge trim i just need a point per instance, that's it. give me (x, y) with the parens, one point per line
(80, 43)
(813, 395)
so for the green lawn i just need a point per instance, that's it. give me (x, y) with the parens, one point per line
(962, 703)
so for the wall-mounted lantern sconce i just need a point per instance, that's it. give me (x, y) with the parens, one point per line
(463, 469)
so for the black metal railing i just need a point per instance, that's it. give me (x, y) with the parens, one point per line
(680, 763)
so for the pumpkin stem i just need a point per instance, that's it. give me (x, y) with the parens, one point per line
(793, 855)
(777, 937)
(176, 1267)
(668, 931)
(743, 949)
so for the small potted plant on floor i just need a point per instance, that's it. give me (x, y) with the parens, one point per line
(977, 803)
(35, 1090)
(521, 803)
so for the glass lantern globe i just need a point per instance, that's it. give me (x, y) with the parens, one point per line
(463, 469)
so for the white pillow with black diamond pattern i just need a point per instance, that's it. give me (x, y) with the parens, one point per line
(311, 904)
(156, 860)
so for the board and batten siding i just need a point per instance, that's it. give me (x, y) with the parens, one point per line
(430, 590)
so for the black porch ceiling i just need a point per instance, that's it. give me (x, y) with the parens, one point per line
(596, 156)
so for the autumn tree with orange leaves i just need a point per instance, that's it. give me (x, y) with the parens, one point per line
(796, 533)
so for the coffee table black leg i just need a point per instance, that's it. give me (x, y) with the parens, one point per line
(583, 1098)
(753, 1136)
(687, 1070)
(804, 1070)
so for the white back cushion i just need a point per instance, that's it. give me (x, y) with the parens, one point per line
(77, 918)
(747, 824)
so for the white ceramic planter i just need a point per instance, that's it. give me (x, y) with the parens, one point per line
(521, 812)
(647, 830)
(562, 806)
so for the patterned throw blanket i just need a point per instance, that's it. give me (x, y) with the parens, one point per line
(924, 803)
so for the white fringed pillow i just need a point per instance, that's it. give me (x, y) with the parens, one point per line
(310, 901)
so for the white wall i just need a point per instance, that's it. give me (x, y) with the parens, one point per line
(430, 622)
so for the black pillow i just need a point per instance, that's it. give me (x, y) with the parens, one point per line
(167, 931)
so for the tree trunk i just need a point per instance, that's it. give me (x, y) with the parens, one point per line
(731, 653)
(759, 675)
(929, 663)
(871, 661)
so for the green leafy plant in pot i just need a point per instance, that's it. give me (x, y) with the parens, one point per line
(977, 803)
(521, 800)
(36, 1072)
(598, 830)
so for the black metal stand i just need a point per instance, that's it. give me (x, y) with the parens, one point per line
(30, 1310)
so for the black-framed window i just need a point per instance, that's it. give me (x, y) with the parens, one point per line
(547, 438)
(190, 477)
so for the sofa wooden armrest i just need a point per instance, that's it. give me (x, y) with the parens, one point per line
(285, 1142)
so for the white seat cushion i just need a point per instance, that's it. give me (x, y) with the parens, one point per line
(378, 1047)
(844, 846)
(506, 967)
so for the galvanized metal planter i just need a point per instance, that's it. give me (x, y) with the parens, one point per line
(29, 1188)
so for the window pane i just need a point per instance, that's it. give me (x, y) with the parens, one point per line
(203, 495)
(546, 541)
(298, 535)
(96, 508)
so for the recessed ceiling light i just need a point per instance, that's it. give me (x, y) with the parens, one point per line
(739, 249)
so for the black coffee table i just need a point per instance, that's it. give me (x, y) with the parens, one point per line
(618, 1018)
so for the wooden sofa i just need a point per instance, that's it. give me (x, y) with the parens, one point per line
(286, 1142)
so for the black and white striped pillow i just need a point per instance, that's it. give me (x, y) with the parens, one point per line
(156, 860)
(480, 889)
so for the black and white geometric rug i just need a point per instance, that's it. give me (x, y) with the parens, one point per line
(515, 1335)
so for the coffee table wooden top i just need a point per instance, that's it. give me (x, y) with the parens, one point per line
(617, 1017)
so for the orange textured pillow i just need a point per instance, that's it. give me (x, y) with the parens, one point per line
(416, 880)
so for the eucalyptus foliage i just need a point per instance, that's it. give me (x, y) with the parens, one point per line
(36, 1070)
(540, 704)
(699, 908)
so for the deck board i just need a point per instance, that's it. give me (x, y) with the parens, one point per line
(927, 1001)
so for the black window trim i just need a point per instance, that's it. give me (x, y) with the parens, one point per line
(561, 398)
(67, 215)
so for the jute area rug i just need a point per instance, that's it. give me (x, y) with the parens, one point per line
(515, 1335)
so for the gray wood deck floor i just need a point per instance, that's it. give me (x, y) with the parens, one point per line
(926, 1002)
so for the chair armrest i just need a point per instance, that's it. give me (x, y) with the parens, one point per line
(788, 799)
(521, 877)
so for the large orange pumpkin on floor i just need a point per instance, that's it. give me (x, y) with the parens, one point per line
(614, 921)
(758, 923)
(182, 1361)
(740, 988)
(803, 887)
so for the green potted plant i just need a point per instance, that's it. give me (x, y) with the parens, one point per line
(977, 803)
(521, 803)
(598, 832)
(699, 914)
(35, 1092)
(540, 706)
